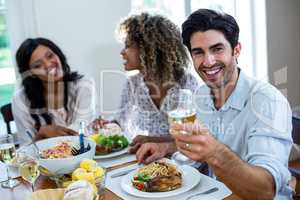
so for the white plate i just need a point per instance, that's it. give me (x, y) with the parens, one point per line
(190, 178)
(113, 154)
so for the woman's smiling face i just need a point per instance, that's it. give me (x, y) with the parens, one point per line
(45, 64)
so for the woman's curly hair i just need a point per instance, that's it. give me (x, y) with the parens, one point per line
(163, 56)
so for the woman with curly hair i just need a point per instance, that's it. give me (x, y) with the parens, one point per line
(153, 46)
(53, 99)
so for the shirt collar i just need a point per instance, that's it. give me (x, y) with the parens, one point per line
(238, 97)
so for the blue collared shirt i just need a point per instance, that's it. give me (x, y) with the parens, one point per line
(255, 123)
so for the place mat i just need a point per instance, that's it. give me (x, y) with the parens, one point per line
(13, 171)
(115, 161)
(113, 184)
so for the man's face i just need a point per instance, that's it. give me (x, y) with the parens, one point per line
(213, 57)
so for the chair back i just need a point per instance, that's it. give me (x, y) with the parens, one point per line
(7, 116)
(296, 130)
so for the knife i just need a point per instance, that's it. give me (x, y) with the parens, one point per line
(122, 173)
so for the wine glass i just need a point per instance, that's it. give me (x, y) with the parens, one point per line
(29, 165)
(182, 111)
(7, 154)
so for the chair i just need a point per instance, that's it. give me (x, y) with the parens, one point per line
(7, 116)
(294, 166)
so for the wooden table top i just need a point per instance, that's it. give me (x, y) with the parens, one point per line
(22, 191)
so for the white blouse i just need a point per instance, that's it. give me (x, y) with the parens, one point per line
(138, 115)
(81, 107)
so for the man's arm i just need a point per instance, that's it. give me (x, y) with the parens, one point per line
(245, 180)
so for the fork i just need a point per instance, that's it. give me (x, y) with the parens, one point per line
(75, 151)
(214, 189)
(34, 144)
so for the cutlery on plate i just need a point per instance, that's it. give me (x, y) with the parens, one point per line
(214, 189)
(122, 173)
(34, 144)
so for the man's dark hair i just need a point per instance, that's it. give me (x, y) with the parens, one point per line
(205, 19)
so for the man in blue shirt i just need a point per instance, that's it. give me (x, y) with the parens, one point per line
(246, 139)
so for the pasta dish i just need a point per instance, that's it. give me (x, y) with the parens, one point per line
(157, 177)
(156, 169)
(62, 150)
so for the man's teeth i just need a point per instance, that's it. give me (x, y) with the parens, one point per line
(211, 72)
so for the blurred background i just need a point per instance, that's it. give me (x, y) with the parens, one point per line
(85, 31)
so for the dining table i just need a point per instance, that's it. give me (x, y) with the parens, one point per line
(23, 191)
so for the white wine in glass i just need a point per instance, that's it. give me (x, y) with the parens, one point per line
(29, 170)
(7, 154)
(180, 116)
(182, 112)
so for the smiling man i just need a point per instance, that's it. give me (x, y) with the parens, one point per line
(247, 138)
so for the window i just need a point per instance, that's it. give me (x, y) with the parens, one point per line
(250, 15)
(7, 74)
(174, 11)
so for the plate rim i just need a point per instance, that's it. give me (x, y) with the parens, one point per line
(159, 194)
(113, 154)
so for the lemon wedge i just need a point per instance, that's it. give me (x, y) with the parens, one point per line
(89, 165)
(82, 174)
(99, 172)
(94, 137)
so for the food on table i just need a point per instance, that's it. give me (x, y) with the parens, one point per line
(157, 176)
(79, 190)
(111, 129)
(108, 144)
(62, 150)
(89, 165)
(89, 171)
(82, 174)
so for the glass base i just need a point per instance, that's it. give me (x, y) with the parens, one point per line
(181, 159)
(10, 183)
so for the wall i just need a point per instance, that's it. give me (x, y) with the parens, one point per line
(283, 33)
(85, 32)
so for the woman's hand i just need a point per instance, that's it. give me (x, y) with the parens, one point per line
(150, 152)
(98, 123)
(48, 131)
(141, 139)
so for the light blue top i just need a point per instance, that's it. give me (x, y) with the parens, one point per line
(255, 123)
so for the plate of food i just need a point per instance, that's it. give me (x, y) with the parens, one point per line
(160, 179)
(109, 146)
(57, 158)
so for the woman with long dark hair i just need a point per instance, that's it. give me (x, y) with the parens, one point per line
(53, 99)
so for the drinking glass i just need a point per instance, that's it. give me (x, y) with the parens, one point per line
(7, 154)
(100, 184)
(182, 112)
(28, 161)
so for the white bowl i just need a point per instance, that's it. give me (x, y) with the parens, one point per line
(59, 166)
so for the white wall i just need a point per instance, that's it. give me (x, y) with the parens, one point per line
(85, 30)
(283, 32)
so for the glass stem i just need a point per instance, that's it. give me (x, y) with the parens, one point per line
(32, 186)
(8, 174)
